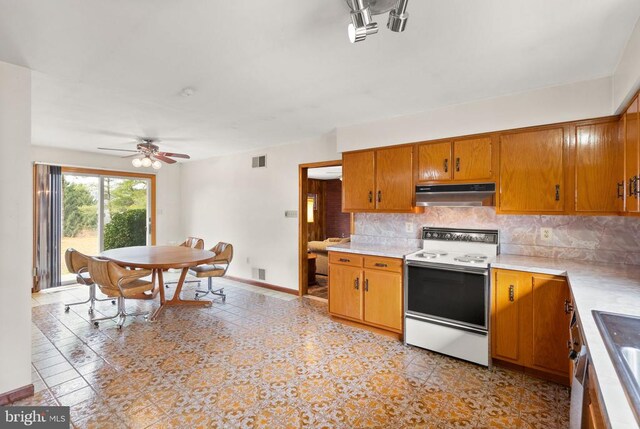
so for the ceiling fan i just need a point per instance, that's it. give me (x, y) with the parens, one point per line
(148, 154)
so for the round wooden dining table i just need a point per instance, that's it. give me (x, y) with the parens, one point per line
(159, 258)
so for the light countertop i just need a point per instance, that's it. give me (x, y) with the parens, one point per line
(613, 288)
(373, 249)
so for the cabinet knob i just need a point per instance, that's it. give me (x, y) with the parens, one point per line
(512, 293)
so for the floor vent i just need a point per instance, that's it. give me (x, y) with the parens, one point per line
(259, 273)
(259, 161)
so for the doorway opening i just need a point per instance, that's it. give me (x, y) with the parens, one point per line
(321, 224)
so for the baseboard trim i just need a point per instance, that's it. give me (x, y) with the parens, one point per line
(264, 285)
(16, 394)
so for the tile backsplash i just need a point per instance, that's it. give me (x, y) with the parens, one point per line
(613, 239)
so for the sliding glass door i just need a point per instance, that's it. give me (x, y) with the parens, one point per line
(103, 211)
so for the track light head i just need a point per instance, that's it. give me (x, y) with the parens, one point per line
(398, 17)
(361, 24)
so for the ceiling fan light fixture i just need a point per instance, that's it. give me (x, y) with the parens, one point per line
(137, 163)
(146, 162)
(157, 165)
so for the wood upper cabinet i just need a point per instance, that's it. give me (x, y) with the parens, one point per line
(632, 153)
(532, 171)
(550, 324)
(434, 162)
(367, 289)
(394, 184)
(358, 181)
(530, 326)
(459, 160)
(472, 159)
(379, 179)
(383, 298)
(345, 297)
(599, 168)
(506, 316)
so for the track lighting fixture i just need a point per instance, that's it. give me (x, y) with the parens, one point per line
(362, 25)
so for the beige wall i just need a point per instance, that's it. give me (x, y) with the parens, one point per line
(224, 199)
(169, 225)
(15, 227)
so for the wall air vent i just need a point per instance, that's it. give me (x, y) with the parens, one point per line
(259, 161)
(259, 273)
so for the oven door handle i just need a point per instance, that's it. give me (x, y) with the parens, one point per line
(444, 267)
(447, 324)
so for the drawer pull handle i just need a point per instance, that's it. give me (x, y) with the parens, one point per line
(557, 192)
(457, 164)
(344, 260)
(370, 196)
(512, 296)
(379, 196)
(381, 265)
(366, 285)
(357, 283)
(620, 189)
(568, 306)
(446, 165)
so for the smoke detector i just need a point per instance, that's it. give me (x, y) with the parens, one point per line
(362, 24)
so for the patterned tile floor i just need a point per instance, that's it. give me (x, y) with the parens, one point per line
(265, 360)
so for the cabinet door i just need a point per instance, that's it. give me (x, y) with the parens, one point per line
(598, 168)
(550, 324)
(434, 162)
(394, 175)
(531, 171)
(631, 144)
(472, 159)
(505, 332)
(345, 291)
(383, 299)
(358, 181)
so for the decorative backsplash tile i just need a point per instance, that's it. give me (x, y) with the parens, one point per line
(614, 239)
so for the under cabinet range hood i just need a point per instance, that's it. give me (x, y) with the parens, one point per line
(459, 195)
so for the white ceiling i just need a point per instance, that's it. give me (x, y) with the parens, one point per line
(325, 173)
(271, 72)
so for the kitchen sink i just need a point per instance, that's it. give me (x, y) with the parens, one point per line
(621, 336)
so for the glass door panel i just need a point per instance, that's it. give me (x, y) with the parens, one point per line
(125, 213)
(80, 214)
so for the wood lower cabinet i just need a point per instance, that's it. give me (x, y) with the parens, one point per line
(599, 168)
(378, 180)
(366, 289)
(529, 324)
(532, 171)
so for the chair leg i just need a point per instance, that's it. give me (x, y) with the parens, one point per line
(121, 314)
(91, 300)
(218, 292)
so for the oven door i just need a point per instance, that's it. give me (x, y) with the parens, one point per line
(454, 296)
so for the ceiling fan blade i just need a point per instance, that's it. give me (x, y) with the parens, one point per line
(118, 150)
(175, 155)
(164, 158)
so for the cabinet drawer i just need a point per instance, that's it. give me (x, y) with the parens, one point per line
(345, 259)
(385, 264)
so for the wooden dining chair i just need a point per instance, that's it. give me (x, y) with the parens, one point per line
(78, 264)
(194, 243)
(121, 283)
(217, 268)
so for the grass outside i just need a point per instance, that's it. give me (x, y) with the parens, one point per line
(86, 242)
